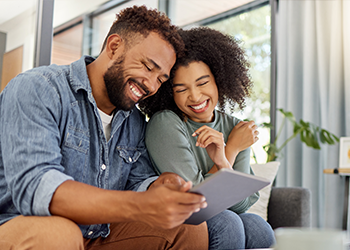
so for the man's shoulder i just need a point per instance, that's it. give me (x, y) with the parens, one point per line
(36, 81)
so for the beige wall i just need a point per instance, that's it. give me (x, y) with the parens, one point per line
(12, 65)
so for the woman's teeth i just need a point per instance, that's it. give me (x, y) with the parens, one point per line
(200, 106)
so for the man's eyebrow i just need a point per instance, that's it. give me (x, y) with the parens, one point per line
(156, 66)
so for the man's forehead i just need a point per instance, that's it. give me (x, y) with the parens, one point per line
(156, 50)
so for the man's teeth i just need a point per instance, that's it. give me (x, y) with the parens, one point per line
(135, 91)
(200, 106)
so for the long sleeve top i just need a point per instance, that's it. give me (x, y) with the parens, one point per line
(173, 149)
(51, 131)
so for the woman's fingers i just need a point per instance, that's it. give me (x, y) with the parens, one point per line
(207, 135)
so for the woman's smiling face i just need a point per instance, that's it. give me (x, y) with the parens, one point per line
(195, 91)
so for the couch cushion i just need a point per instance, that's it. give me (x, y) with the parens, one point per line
(268, 171)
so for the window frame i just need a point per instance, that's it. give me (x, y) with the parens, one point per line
(273, 70)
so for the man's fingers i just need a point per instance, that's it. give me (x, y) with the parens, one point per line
(187, 186)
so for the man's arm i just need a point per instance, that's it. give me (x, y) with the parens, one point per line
(165, 205)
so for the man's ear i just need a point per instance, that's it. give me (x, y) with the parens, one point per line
(114, 42)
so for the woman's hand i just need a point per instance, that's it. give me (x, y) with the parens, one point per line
(213, 142)
(243, 135)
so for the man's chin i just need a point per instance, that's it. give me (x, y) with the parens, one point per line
(125, 107)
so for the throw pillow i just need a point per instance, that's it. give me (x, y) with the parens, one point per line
(268, 171)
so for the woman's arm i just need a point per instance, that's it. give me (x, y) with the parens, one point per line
(169, 147)
(213, 141)
(242, 136)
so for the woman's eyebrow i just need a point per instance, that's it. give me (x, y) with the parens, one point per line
(200, 78)
(177, 85)
(182, 84)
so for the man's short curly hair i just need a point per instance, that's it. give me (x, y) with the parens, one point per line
(227, 62)
(136, 20)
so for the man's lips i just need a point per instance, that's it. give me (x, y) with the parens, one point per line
(136, 90)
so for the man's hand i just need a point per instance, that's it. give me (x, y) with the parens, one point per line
(168, 178)
(168, 205)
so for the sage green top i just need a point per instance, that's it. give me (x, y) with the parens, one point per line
(173, 149)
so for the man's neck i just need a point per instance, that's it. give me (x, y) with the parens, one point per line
(95, 71)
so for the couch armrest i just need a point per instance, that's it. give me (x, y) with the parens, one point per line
(289, 207)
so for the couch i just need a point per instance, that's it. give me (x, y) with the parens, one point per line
(289, 207)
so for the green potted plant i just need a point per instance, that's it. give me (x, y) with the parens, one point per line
(310, 134)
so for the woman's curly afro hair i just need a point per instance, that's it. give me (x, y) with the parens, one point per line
(226, 60)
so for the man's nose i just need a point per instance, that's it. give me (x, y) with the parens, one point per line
(152, 85)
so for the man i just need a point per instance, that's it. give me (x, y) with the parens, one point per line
(72, 150)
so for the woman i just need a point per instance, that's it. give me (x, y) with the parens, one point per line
(187, 135)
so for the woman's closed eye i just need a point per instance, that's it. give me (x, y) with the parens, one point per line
(202, 84)
(179, 90)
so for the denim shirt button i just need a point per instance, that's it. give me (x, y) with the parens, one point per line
(130, 160)
(103, 167)
(91, 232)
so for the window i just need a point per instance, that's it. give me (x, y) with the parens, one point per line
(101, 23)
(67, 45)
(248, 21)
(185, 12)
(254, 29)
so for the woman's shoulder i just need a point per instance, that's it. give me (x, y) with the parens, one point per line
(226, 118)
(166, 116)
(164, 119)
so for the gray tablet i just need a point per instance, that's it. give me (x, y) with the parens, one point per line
(224, 189)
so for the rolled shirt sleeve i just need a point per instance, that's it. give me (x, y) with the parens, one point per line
(144, 186)
(30, 142)
(45, 190)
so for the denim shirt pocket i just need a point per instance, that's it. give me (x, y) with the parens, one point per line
(76, 143)
(129, 155)
(75, 153)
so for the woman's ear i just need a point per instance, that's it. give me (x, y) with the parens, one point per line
(114, 43)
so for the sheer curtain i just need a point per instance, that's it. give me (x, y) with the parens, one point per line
(313, 82)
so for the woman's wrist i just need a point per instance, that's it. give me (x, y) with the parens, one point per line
(225, 164)
(231, 153)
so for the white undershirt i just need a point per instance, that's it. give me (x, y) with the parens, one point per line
(106, 122)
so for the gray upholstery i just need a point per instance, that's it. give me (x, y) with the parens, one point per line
(289, 207)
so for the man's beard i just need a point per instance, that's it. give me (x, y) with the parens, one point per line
(115, 85)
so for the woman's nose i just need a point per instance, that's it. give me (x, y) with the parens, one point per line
(195, 95)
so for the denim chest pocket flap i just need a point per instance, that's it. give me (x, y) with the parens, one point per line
(129, 155)
(77, 143)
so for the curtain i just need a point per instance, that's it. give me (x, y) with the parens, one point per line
(313, 82)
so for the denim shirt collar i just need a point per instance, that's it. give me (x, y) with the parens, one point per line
(79, 80)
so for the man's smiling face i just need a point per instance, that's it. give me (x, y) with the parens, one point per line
(139, 71)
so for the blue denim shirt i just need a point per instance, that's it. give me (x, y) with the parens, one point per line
(50, 132)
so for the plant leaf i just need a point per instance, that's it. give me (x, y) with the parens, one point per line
(327, 137)
(335, 137)
(266, 125)
(288, 115)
